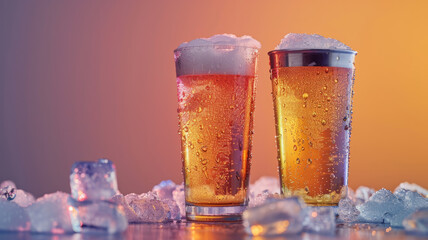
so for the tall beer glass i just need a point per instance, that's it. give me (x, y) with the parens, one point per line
(216, 93)
(312, 95)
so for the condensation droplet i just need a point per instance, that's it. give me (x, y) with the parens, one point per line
(328, 99)
(346, 127)
(204, 148)
(326, 70)
(326, 109)
(345, 118)
(303, 148)
(304, 105)
(324, 88)
(204, 161)
(295, 148)
(336, 80)
(314, 114)
(298, 160)
(323, 122)
(199, 140)
(305, 95)
(309, 161)
(199, 109)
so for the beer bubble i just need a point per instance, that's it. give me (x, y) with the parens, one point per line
(305, 95)
(295, 148)
(323, 122)
(309, 161)
(204, 148)
(298, 160)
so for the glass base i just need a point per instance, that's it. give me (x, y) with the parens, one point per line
(214, 214)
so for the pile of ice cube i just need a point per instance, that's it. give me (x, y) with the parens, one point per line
(407, 207)
(88, 209)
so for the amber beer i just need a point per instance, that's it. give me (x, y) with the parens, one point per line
(215, 109)
(312, 95)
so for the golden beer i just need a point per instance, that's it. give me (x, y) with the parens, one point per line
(215, 108)
(313, 108)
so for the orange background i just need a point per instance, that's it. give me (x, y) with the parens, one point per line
(84, 80)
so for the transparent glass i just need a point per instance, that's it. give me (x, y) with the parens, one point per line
(312, 96)
(216, 94)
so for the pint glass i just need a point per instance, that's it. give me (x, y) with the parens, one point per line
(216, 93)
(312, 95)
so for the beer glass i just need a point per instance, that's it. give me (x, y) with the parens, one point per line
(216, 93)
(312, 96)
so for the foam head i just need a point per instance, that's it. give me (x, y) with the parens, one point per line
(310, 41)
(219, 54)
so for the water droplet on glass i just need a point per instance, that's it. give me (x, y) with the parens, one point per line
(201, 127)
(199, 140)
(305, 95)
(186, 129)
(324, 88)
(326, 109)
(8, 193)
(328, 99)
(309, 161)
(295, 148)
(199, 109)
(298, 160)
(204, 148)
(303, 148)
(314, 114)
(304, 105)
(337, 58)
(204, 161)
(346, 127)
(345, 118)
(207, 87)
(306, 189)
(323, 122)
(336, 80)
(326, 70)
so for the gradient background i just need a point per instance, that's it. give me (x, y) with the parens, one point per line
(81, 80)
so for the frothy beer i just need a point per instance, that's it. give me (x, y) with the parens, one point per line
(216, 93)
(312, 95)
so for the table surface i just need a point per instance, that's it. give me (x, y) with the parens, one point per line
(221, 231)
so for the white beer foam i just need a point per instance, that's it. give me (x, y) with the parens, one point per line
(310, 41)
(219, 54)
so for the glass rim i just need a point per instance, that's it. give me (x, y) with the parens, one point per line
(215, 45)
(311, 50)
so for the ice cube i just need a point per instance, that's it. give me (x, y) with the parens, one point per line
(164, 189)
(150, 209)
(412, 201)
(412, 187)
(417, 222)
(380, 205)
(7, 183)
(262, 190)
(8, 193)
(93, 180)
(130, 214)
(320, 220)
(362, 194)
(13, 217)
(97, 216)
(178, 196)
(347, 210)
(175, 213)
(277, 217)
(263, 184)
(23, 199)
(50, 213)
